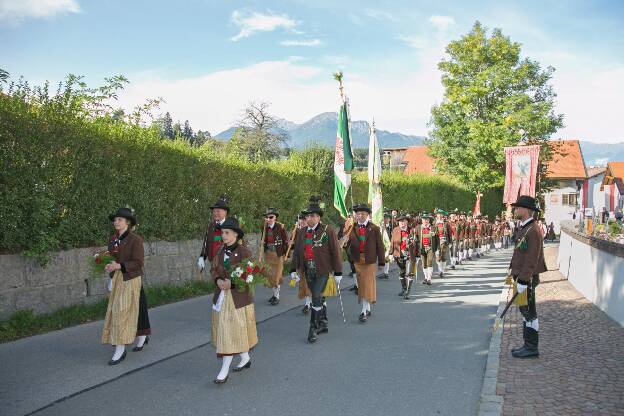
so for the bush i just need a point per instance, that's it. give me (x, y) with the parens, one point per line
(65, 170)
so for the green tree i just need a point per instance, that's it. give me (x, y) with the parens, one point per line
(493, 98)
(187, 131)
(167, 126)
(257, 136)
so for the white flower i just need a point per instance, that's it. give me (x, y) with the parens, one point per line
(249, 278)
(250, 264)
(238, 272)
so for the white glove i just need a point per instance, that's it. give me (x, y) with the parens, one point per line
(109, 286)
(337, 279)
(201, 263)
(294, 276)
(520, 287)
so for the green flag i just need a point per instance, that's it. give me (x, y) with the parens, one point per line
(374, 184)
(343, 161)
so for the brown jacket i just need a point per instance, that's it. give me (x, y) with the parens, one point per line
(374, 249)
(434, 243)
(129, 254)
(241, 299)
(208, 240)
(411, 243)
(529, 261)
(327, 253)
(280, 239)
(446, 233)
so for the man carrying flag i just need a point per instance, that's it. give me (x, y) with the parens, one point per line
(343, 157)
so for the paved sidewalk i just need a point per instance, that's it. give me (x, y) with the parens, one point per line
(580, 370)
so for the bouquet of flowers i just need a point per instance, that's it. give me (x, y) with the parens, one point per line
(100, 260)
(247, 275)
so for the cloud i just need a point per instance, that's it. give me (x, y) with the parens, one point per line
(379, 14)
(442, 22)
(14, 11)
(250, 23)
(415, 42)
(310, 43)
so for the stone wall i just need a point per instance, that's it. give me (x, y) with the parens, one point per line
(67, 278)
(595, 268)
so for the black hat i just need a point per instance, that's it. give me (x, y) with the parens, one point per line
(271, 211)
(314, 207)
(231, 223)
(302, 215)
(127, 213)
(403, 216)
(362, 207)
(427, 215)
(222, 203)
(387, 214)
(525, 201)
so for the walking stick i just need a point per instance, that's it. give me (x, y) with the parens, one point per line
(500, 318)
(292, 241)
(341, 307)
(261, 248)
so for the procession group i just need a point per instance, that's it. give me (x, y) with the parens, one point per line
(316, 266)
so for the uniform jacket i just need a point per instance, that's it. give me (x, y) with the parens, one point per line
(327, 253)
(208, 240)
(435, 241)
(217, 270)
(129, 254)
(446, 232)
(412, 244)
(374, 249)
(280, 239)
(528, 256)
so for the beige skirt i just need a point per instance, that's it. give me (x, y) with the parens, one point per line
(276, 271)
(233, 330)
(367, 284)
(122, 313)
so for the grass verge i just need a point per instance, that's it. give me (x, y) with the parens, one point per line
(26, 323)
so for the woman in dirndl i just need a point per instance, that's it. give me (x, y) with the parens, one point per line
(126, 315)
(233, 315)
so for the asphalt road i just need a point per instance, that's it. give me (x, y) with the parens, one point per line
(425, 356)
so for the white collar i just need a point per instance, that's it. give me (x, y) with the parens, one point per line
(365, 223)
(220, 222)
(525, 222)
(271, 226)
(313, 228)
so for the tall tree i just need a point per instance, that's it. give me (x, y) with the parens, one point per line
(187, 132)
(493, 98)
(167, 126)
(257, 136)
(177, 130)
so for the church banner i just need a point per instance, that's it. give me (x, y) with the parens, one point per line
(520, 171)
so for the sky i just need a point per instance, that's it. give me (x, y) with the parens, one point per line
(208, 59)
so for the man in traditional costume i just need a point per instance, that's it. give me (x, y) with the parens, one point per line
(527, 262)
(453, 224)
(303, 292)
(318, 254)
(428, 243)
(443, 231)
(404, 252)
(275, 245)
(368, 250)
(212, 237)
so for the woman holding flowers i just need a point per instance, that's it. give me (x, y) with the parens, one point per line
(233, 315)
(126, 315)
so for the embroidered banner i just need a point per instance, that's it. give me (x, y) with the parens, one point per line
(520, 172)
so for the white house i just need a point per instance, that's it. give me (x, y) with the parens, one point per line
(594, 197)
(613, 186)
(567, 171)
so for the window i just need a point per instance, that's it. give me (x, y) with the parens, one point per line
(568, 199)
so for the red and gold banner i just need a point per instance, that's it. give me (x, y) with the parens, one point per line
(520, 172)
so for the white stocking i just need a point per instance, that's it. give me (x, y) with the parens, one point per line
(276, 291)
(365, 306)
(430, 269)
(225, 367)
(386, 268)
(244, 356)
(308, 300)
(119, 350)
(141, 340)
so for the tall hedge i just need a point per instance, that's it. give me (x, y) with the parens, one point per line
(62, 175)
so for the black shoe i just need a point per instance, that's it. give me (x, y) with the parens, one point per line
(239, 369)
(525, 352)
(352, 288)
(137, 349)
(312, 335)
(424, 282)
(275, 301)
(429, 282)
(441, 274)
(305, 309)
(386, 276)
(363, 317)
(115, 362)
(406, 295)
(217, 381)
(272, 299)
(478, 255)
(452, 267)
(368, 313)
(314, 322)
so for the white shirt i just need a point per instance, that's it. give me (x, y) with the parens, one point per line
(525, 222)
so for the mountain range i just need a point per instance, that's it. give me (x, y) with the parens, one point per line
(321, 129)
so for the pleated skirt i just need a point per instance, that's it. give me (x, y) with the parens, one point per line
(367, 284)
(276, 270)
(122, 313)
(233, 330)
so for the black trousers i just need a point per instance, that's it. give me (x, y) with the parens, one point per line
(316, 283)
(402, 263)
(143, 324)
(529, 312)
